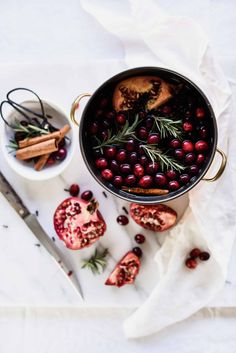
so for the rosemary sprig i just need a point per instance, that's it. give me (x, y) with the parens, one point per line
(122, 135)
(29, 130)
(166, 161)
(97, 262)
(168, 127)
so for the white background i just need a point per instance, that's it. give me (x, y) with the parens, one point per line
(60, 31)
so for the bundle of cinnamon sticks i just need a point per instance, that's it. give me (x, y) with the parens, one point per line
(41, 146)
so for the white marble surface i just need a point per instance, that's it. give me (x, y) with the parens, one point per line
(23, 40)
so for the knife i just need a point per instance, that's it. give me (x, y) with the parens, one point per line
(33, 223)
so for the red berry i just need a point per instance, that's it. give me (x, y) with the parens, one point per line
(175, 143)
(103, 102)
(107, 174)
(138, 170)
(189, 158)
(149, 122)
(130, 180)
(187, 146)
(201, 146)
(143, 160)
(152, 168)
(133, 157)
(194, 253)
(121, 119)
(200, 159)
(143, 133)
(137, 251)
(153, 139)
(200, 113)
(139, 238)
(160, 179)
(87, 195)
(130, 145)
(50, 161)
(187, 126)
(121, 155)
(193, 169)
(74, 190)
(184, 178)
(203, 132)
(204, 256)
(166, 109)
(101, 163)
(110, 152)
(173, 185)
(125, 168)
(122, 220)
(110, 115)
(145, 181)
(171, 174)
(114, 166)
(191, 263)
(179, 153)
(118, 181)
(61, 154)
(93, 129)
(104, 134)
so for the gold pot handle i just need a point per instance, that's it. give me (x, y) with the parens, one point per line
(222, 166)
(75, 106)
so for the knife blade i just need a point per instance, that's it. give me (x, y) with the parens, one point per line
(34, 225)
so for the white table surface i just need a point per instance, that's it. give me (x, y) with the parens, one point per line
(60, 32)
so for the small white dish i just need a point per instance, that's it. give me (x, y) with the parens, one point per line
(23, 168)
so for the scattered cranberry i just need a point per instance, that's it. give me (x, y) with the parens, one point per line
(179, 153)
(143, 133)
(114, 166)
(107, 174)
(61, 154)
(204, 256)
(175, 143)
(190, 158)
(200, 159)
(145, 181)
(133, 158)
(160, 179)
(171, 174)
(87, 195)
(201, 146)
(137, 251)
(173, 185)
(122, 220)
(153, 139)
(195, 253)
(193, 169)
(130, 145)
(74, 190)
(101, 163)
(152, 168)
(143, 160)
(110, 152)
(188, 127)
(130, 180)
(200, 113)
(191, 263)
(187, 146)
(118, 181)
(125, 168)
(139, 238)
(121, 155)
(121, 119)
(184, 178)
(138, 170)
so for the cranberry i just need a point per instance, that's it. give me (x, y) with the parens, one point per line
(173, 185)
(122, 220)
(87, 195)
(200, 159)
(74, 190)
(139, 238)
(166, 109)
(125, 168)
(50, 161)
(201, 146)
(187, 126)
(171, 174)
(93, 129)
(106, 123)
(118, 181)
(110, 115)
(203, 132)
(143, 160)
(121, 155)
(97, 153)
(204, 256)
(190, 158)
(140, 149)
(195, 253)
(110, 152)
(62, 143)
(130, 145)
(149, 122)
(103, 102)
(152, 168)
(191, 263)
(130, 180)
(187, 146)
(145, 181)
(101, 163)
(175, 143)
(104, 134)
(141, 115)
(99, 113)
(143, 133)
(107, 174)
(179, 153)
(160, 179)
(114, 166)
(200, 113)
(121, 119)
(193, 169)
(188, 115)
(184, 178)
(61, 154)
(153, 139)
(137, 251)
(133, 157)
(138, 170)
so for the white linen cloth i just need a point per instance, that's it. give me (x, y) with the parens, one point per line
(150, 37)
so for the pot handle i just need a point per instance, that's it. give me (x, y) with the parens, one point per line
(75, 106)
(222, 166)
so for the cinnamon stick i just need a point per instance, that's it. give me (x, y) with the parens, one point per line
(34, 140)
(43, 159)
(40, 149)
(145, 191)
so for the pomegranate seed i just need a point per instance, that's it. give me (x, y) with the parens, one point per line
(160, 179)
(107, 174)
(200, 113)
(74, 190)
(121, 119)
(61, 154)
(187, 126)
(175, 143)
(195, 253)
(122, 220)
(184, 178)
(191, 263)
(154, 139)
(171, 174)
(101, 163)
(139, 238)
(121, 155)
(174, 185)
(125, 168)
(145, 181)
(200, 159)
(179, 153)
(130, 180)
(190, 158)
(204, 256)
(152, 168)
(87, 195)
(201, 146)
(187, 146)
(118, 181)
(138, 170)
(137, 251)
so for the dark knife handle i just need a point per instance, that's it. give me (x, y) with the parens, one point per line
(12, 197)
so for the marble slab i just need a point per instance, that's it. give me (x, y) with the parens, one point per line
(30, 276)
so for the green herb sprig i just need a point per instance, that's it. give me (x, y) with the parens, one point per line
(97, 262)
(168, 127)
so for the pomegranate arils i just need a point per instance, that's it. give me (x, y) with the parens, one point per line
(200, 113)
(139, 238)
(204, 256)
(87, 195)
(122, 220)
(137, 251)
(201, 146)
(107, 174)
(153, 139)
(121, 119)
(188, 127)
(160, 179)
(191, 263)
(187, 146)
(101, 163)
(74, 190)
(145, 181)
(138, 170)
(194, 253)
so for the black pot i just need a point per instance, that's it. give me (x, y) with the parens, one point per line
(171, 77)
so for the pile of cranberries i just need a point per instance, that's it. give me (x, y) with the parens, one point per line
(127, 164)
(194, 255)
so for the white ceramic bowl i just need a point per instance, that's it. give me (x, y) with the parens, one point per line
(25, 169)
